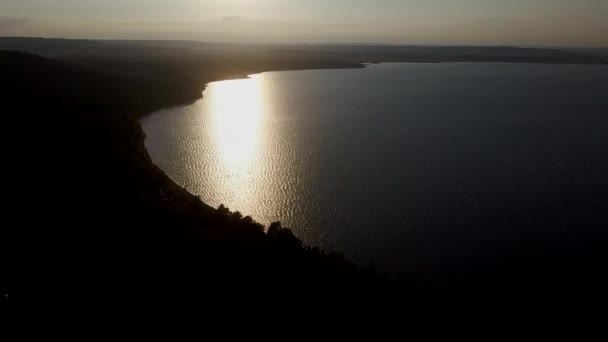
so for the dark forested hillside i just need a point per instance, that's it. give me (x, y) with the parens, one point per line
(99, 244)
(92, 225)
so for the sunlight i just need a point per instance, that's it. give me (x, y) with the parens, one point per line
(237, 116)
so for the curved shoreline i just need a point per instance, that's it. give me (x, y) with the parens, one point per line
(241, 76)
(172, 184)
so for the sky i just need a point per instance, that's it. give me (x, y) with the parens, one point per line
(443, 22)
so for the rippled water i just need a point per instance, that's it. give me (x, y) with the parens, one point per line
(427, 169)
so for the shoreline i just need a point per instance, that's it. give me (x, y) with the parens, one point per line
(242, 76)
(180, 191)
(247, 75)
(358, 65)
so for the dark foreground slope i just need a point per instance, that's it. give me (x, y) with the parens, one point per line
(99, 244)
(93, 226)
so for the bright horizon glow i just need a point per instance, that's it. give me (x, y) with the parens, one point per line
(434, 22)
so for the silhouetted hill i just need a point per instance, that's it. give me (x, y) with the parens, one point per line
(354, 53)
(95, 226)
(98, 243)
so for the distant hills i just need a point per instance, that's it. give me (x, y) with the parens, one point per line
(66, 48)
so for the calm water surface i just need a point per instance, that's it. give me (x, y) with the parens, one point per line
(427, 169)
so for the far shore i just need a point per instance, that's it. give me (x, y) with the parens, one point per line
(332, 66)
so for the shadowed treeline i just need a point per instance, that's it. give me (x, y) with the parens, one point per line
(96, 227)
(100, 244)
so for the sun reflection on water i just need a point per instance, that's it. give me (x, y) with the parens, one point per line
(237, 115)
(237, 119)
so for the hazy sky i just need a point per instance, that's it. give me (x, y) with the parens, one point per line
(514, 22)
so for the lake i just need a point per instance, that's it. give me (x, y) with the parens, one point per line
(431, 171)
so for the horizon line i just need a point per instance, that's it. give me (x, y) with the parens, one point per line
(311, 44)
